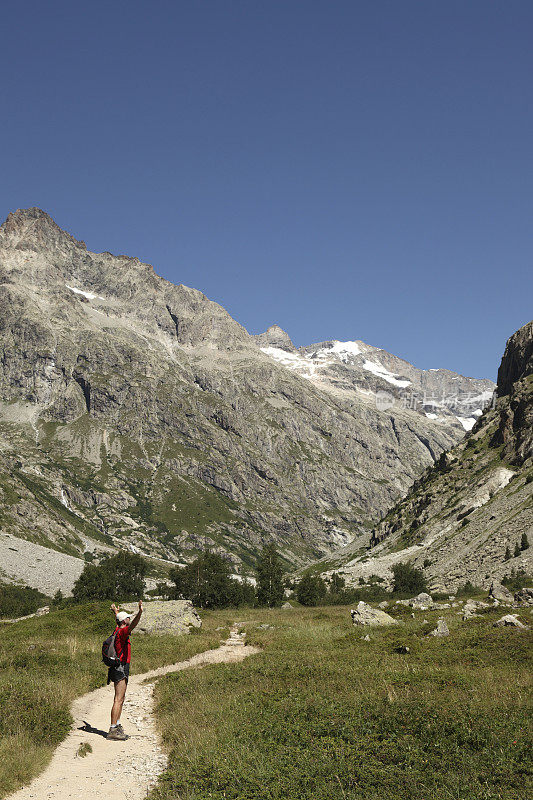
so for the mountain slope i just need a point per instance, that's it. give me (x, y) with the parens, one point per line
(463, 513)
(137, 413)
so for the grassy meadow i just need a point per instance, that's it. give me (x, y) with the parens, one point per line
(321, 714)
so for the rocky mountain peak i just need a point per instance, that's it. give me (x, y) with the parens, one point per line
(34, 229)
(517, 361)
(275, 336)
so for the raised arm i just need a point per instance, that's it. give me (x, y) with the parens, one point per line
(137, 617)
(114, 609)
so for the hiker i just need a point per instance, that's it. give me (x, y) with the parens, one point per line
(119, 675)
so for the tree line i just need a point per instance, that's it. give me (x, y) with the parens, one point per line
(208, 582)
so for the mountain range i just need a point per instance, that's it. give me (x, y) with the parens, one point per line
(138, 413)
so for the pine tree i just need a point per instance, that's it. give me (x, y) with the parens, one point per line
(269, 574)
(524, 544)
(517, 550)
(507, 555)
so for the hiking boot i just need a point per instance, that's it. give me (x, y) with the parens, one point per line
(117, 734)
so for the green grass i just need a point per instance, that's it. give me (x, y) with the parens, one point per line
(46, 662)
(323, 715)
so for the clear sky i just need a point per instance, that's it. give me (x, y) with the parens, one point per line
(345, 169)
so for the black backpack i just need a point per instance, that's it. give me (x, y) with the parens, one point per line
(109, 653)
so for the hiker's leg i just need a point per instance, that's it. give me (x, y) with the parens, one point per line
(120, 691)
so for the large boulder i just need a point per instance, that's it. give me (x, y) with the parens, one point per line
(422, 601)
(498, 592)
(166, 616)
(509, 620)
(441, 629)
(366, 615)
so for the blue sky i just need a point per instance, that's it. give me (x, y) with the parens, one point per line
(347, 170)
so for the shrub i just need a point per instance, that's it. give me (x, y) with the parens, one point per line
(408, 579)
(19, 601)
(517, 580)
(517, 550)
(468, 590)
(311, 590)
(121, 575)
(337, 584)
(524, 542)
(507, 555)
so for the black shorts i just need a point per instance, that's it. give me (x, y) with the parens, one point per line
(116, 674)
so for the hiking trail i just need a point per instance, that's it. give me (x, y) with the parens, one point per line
(119, 769)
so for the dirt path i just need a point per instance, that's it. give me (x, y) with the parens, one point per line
(118, 769)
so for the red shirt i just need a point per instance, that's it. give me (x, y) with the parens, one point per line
(123, 644)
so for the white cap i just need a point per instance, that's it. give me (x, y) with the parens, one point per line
(122, 615)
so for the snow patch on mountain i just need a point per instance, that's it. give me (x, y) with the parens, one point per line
(88, 295)
(467, 422)
(381, 372)
(304, 366)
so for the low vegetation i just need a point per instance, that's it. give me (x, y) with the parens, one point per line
(323, 715)
(19, 601)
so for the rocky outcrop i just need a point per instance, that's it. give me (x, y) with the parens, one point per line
(517, 361)
(510, 621)
(168, 616)
(422, 601)
(275, 337)
(500, 593)
(524, 597)
(366, 615)
(441, 629)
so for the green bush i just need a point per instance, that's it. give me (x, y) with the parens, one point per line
(311, 590)
(19, 601)
(408, 579)
(119, 576)
(468, 590)
(517, 580)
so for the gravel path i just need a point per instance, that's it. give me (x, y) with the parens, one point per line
(118, 769)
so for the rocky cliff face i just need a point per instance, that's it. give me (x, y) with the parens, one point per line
(469, 511)
(134, 412)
